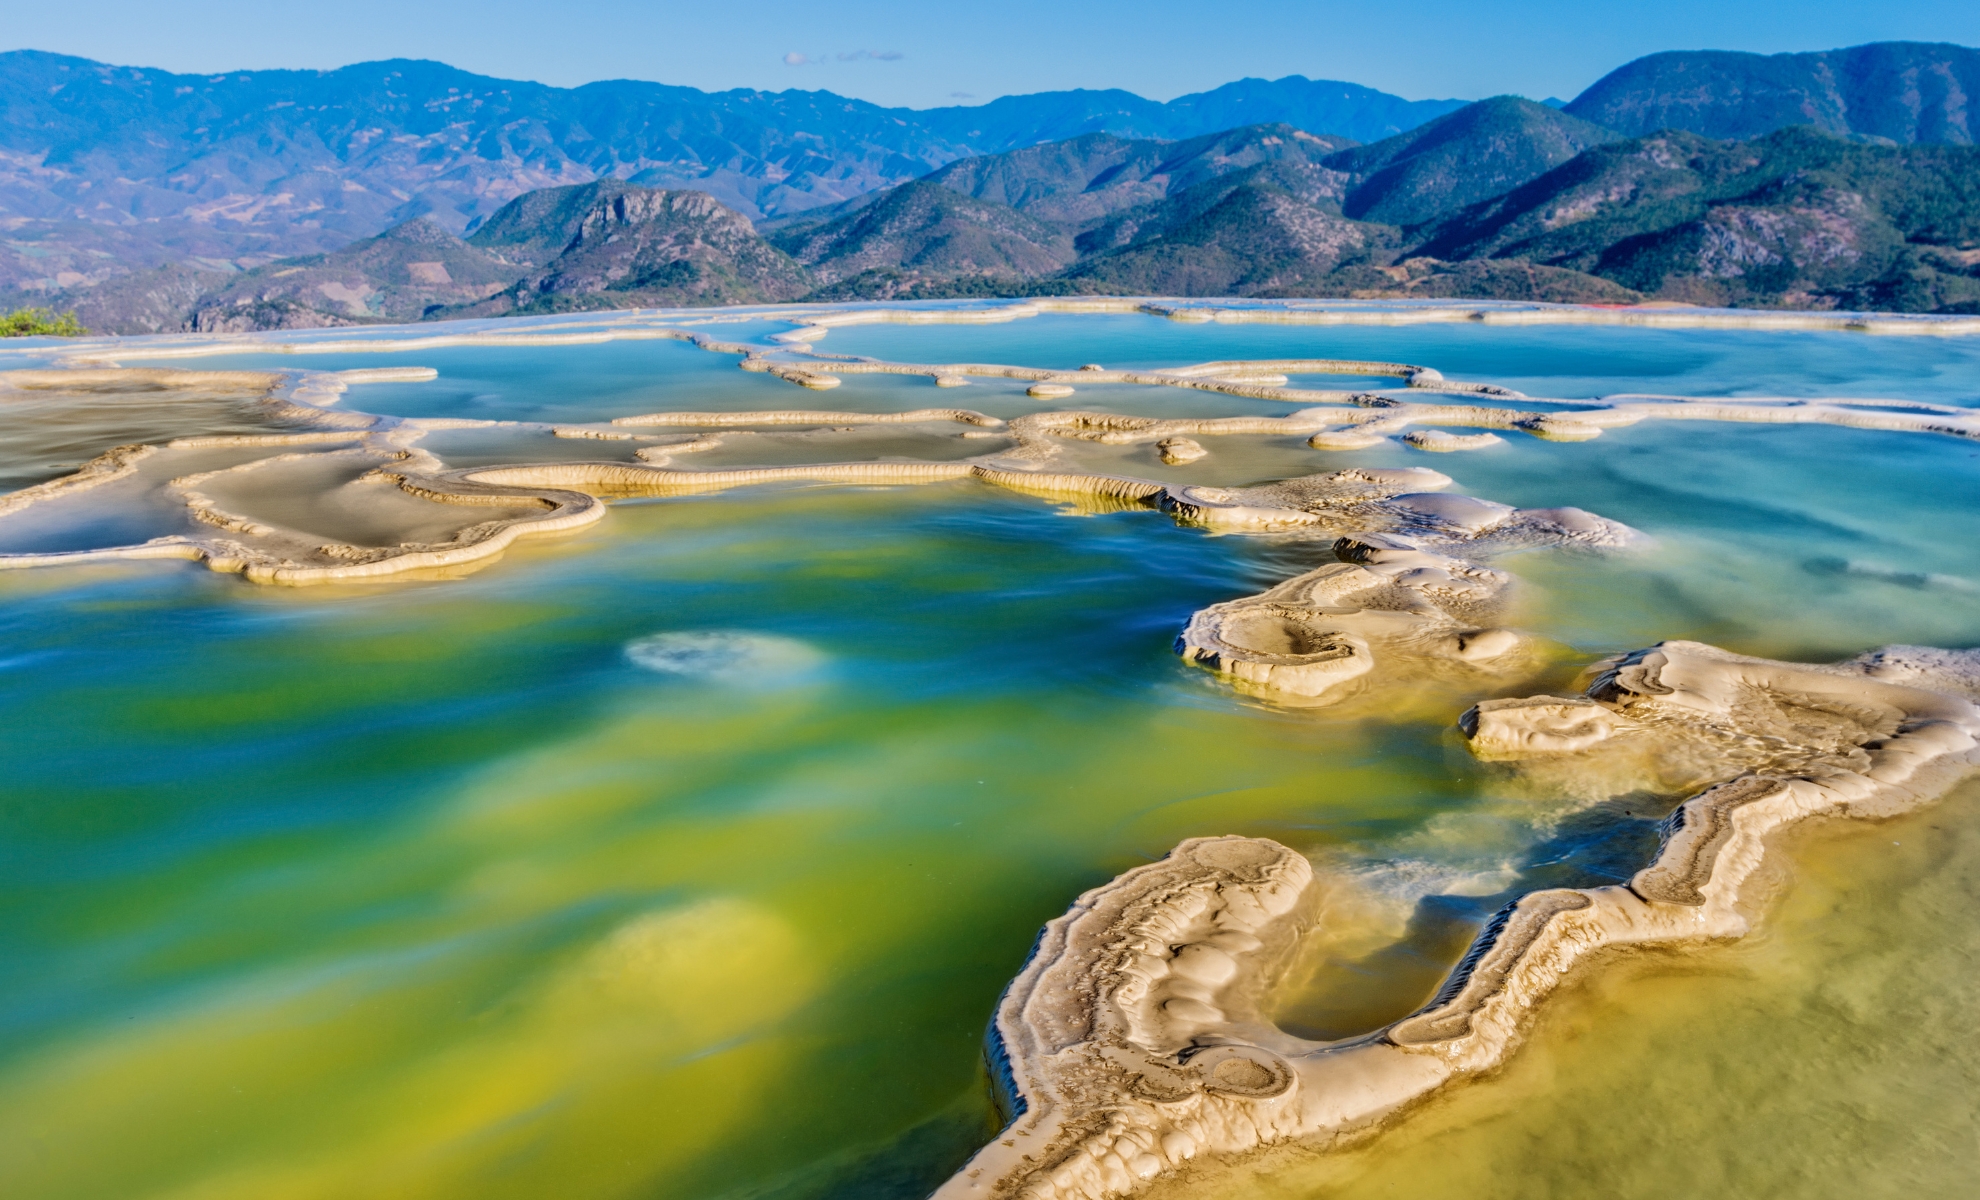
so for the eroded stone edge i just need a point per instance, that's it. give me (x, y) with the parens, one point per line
(1714, 844)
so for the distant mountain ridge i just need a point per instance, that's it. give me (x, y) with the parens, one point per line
(1502, 199)
(1903, 92)
(1322, 106)
(148, 189)
(154, 167)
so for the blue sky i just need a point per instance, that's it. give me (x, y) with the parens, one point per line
(929, 53)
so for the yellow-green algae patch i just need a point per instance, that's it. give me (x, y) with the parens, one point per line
(1833, 1032)
(534, 1078)
(630, 927)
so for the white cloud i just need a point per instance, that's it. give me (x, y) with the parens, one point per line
(794, 59)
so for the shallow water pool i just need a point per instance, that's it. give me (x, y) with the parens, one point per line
(482, 887)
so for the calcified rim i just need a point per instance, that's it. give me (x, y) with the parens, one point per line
(1133, 1042)
(791, 356)
(285, 556)
(812, 322)
(1332, 419)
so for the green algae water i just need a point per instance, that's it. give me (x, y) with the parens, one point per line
(1825, 1055)
(686, 856)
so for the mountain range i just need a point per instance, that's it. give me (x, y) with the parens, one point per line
(105, 169)
(154, 201)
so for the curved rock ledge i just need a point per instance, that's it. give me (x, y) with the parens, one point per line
(1410, 612)
(105, 352)
(268, 553)
(119, 462)
(1410, 313)
(790, 416)
(1401, 598)
(1382, 416)
(1332, 420)
(123, 379)
(1438, 441)
(1132, 1041)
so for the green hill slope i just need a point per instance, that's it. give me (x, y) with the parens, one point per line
(400, 275)
(1900, 91)
(929, 230)
(1480, 151)
(1796, 218)
(1087, 179)
(1254, 238)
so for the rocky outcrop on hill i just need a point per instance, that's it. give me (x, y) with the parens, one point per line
(604, 245)
(537, 226)
(637, 247)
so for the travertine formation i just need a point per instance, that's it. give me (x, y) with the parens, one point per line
(1132, 1041)
(559, 496)
(350, 461)
(1402, 595)
(1307, 638)
(551, 498)
(1135, 1040)
(1440, 442)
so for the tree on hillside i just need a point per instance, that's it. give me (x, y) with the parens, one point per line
(40, 322)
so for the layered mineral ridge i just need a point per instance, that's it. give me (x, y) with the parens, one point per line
(1135, 1040)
